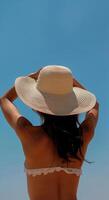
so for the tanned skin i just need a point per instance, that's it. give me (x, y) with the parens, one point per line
(39, 150)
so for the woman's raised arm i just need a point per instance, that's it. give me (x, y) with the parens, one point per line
(11, 113)
(91, 117)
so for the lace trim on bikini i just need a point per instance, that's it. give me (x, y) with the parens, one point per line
(45, 171)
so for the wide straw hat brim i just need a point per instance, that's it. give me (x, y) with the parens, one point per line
(75, 102)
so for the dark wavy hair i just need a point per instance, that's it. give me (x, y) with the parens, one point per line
(66, 134)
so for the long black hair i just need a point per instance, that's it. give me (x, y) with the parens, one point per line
(66, 134)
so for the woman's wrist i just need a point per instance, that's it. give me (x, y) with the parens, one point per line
(10, 94)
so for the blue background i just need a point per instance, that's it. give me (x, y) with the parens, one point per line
(42, 32)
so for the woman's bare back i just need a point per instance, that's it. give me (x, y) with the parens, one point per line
(41, 153)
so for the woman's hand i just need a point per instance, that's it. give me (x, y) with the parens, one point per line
(77, 84)
(34, 74)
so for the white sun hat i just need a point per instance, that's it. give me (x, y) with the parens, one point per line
(53, 92)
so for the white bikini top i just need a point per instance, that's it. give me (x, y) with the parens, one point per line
(45, 171)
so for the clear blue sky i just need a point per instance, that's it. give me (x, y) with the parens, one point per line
(35, 33)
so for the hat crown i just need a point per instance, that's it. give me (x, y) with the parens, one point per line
(55, 79)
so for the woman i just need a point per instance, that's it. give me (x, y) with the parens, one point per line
(55, 150)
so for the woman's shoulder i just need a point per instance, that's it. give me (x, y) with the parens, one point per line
(32, 135)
